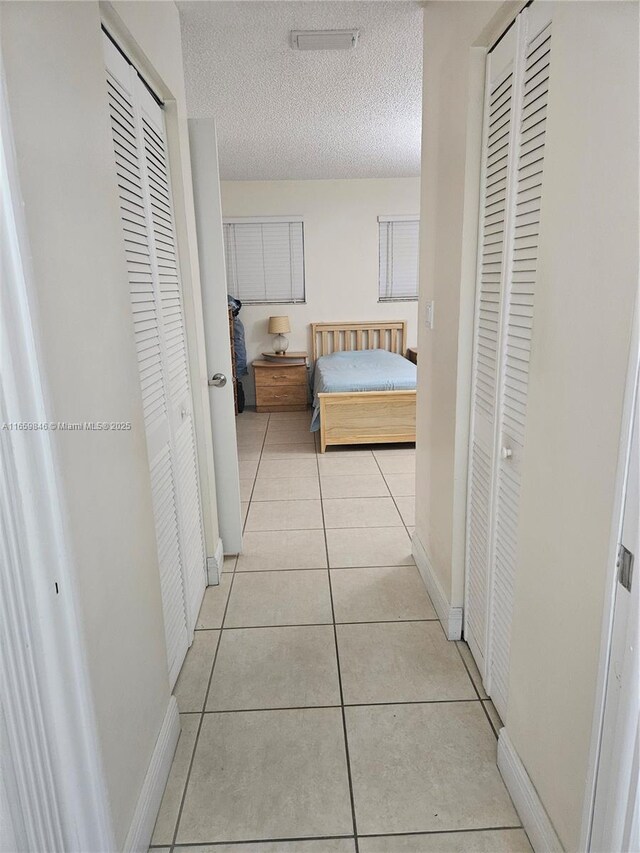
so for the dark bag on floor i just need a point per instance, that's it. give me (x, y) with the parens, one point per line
(240, 392)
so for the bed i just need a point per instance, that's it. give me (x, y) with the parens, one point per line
(383, 413)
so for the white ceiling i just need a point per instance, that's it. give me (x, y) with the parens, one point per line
(289, 114)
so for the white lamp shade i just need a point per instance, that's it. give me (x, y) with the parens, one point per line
(279, 325)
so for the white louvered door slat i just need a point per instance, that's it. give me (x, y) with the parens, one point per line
(518, 327)
(145, 305)
(497, 141)
(173, 334)
(513, 159)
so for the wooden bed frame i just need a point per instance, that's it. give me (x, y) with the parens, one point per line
(363, 417)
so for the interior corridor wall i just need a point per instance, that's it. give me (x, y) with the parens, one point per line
(450, 151)
(341, 252)
(53, 60)
(587, 281)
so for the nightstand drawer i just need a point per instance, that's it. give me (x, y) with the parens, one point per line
(276, 376)
(285, 395)
(281, 387)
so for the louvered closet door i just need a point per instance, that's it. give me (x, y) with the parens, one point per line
(486, 368)
(518, 326)
(122, 85)
(164, 250)
(513, 158)
(156, 301)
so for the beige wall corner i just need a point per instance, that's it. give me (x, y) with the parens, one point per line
(453, 75)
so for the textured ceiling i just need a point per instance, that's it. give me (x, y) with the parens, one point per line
(284, 113)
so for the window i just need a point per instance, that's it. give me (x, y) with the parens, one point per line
(398, 278)
(265, 259)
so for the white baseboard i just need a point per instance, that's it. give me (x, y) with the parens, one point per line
(450, 617)
(528, 804)
(144, 818)
(215, 564)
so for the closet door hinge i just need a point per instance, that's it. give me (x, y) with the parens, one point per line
(624, 565)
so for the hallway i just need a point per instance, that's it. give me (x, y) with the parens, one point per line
(320, 701)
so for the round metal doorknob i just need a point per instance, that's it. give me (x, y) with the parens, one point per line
(219, 380)
(507, 453)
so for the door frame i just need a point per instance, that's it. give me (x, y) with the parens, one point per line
(57, 797)
(597, 730)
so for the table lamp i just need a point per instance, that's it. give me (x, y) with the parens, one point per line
(278, 326)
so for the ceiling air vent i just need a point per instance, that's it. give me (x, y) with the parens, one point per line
(324, 39)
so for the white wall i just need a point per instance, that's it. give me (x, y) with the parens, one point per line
(52, 54)
(452, 86)
(587, 280)
(341, 252)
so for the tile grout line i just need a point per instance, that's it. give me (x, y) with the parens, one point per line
(202, 713)
(206, 696)
(482, 701)
(404, 524)
(464, 663)
(261, 841)
(335, 638)
(172, 845)
(321, 624)
(417, 833)
(393, 497)
(351, 527)
(348, 498)
(346, 705)
(253, 486)
(486, 713)
(197, 738)
(322, 568)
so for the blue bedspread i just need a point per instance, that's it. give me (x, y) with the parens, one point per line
(367, 370)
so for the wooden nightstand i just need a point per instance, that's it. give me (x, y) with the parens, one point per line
(281, 387)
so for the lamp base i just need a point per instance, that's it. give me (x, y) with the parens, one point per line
(280, 344)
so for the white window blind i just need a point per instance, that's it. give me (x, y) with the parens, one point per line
(265, 259)
(398, 278)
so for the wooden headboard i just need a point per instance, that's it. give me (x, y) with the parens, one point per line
(346, 337)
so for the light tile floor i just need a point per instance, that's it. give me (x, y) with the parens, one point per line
(322, 708)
